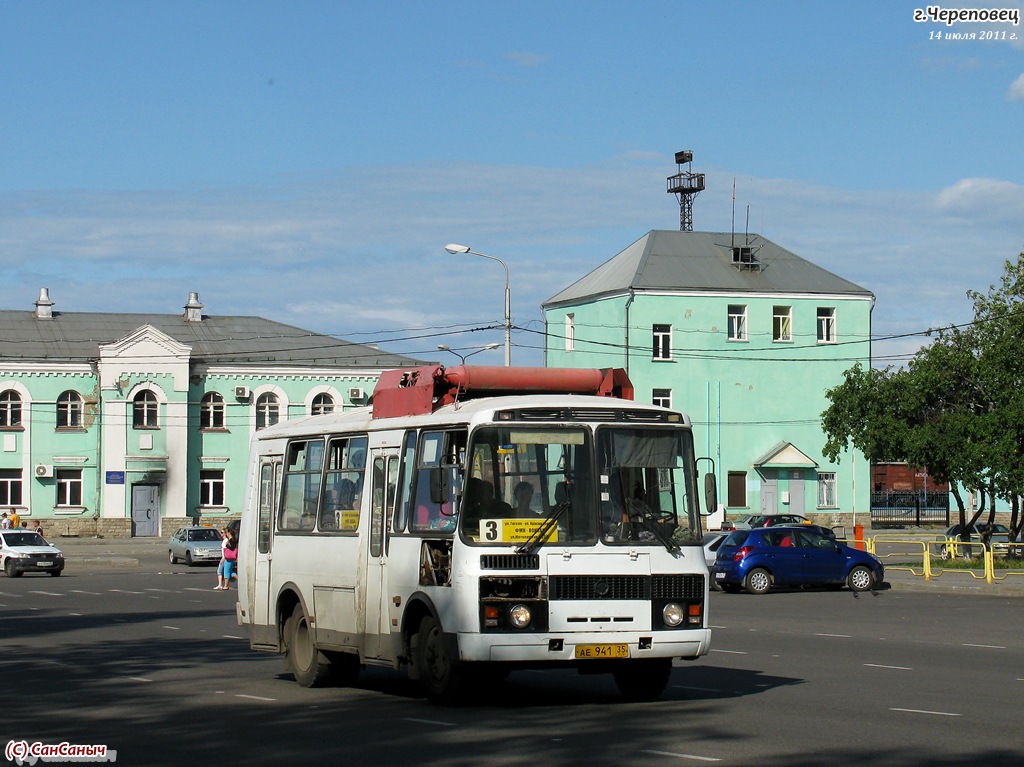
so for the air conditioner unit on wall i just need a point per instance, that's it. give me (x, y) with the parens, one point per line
(356, 392)
(44, 470)
(242, 392)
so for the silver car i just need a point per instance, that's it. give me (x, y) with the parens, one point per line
(194, 544)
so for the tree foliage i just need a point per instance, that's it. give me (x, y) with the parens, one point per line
(957, 407)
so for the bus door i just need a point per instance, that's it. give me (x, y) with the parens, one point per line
(263, 596)
(376, 612)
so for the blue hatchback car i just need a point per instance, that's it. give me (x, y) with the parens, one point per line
(799, 555)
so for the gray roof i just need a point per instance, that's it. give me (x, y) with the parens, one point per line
(76, 337)
(703, 261)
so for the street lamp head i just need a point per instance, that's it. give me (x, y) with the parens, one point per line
(490, 346)
(453, 248)
(443, 348)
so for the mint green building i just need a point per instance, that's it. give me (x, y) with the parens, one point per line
(745, 337)
(135, 424)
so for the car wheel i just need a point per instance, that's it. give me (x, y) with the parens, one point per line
(643, 680)
(188, 558)
(11, 571)
(860, 578)
(759, 581)
(170, 556)
(442, 678)
(55, 573)
(309, 666)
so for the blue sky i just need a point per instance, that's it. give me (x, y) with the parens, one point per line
(308, 161)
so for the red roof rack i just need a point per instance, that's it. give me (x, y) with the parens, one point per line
(415, 391)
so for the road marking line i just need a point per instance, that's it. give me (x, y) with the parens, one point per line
(256, 697)
(920, 711)
(839, 636)
(429, 721)
(682, 756)
(77, 615)
(79, 591)
(171, 628)
(47, 593)
(231, 636)
(897, 668)
(984, 646)
(728, 652)
(139, 679)
(122, 591)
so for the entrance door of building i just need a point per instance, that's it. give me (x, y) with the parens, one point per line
(145, 511)
(769, 496)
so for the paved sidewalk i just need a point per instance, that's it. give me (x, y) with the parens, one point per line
(117, 553)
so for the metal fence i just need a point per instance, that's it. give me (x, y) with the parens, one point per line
(907, 508)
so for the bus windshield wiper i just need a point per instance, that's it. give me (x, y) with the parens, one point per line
(541, 533)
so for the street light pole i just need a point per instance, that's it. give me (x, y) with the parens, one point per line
(446, 348)
(453, 249)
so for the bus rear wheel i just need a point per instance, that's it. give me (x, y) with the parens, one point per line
(307, 664)
(442, 678)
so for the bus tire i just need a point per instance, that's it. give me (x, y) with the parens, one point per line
(643, 680)
(307, 664)
(442, 678)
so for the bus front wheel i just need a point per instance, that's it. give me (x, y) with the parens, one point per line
(307, 664)
(442, 678)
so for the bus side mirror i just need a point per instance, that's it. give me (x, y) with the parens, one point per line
(710, 493)
(445, 488)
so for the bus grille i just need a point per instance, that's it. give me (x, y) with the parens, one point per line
(645, 587)
(510, 562)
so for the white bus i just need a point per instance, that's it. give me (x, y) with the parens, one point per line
(477, 520)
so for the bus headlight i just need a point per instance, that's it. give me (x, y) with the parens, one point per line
(519, 616)
(672, 614)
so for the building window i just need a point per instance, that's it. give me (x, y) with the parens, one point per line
(662, 342)
(827, 490)
(69, 487)
(268, 412)
(570, 332)
(826, 325)
(69, 410)
(782, 326)
(737, 490)
(662, 397)
(10, 408)
(322, 404)
(211, 411)
(737, 322)
(211, 487)
(10, 487)
(144, 410)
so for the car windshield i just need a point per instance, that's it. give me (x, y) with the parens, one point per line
(206, 534)
(24, 539)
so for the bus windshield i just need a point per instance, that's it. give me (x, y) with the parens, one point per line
(522, 478)
(544, 484)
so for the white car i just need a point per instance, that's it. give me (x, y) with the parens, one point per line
(24, 551)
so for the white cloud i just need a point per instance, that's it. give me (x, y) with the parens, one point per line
(1016, 92)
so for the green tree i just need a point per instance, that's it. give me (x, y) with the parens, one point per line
(957, 407)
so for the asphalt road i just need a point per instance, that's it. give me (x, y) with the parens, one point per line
(146, 659)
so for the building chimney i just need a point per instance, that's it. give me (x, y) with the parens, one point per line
(44, 306)
(193, 309)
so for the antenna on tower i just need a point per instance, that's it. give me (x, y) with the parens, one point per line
(685, 185)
